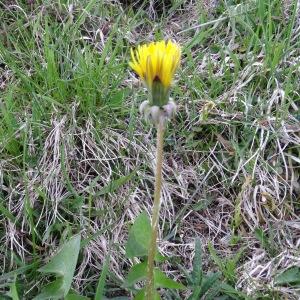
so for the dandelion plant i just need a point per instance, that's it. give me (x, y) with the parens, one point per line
(156, 63)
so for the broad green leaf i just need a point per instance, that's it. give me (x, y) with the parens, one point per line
(133, 248)
(196, 293)
(162, 281)
(101, 283)
(186, 274)
(65, 260)
(290, 276)
(215, 257)
(197, 264)
(208, 282)
(74, 296)
(232, 292)
(137, 272)
(54, 290)
(117, 298)
(63, 265)
(196, 275)
(159, 257)
(141, 295)
(13, 292)
(139, 237)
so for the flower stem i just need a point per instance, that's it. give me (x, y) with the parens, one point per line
(150, 291)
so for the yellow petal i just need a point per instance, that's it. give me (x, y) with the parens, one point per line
(156, 60)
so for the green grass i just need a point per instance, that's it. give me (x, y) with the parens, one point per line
(76, 157)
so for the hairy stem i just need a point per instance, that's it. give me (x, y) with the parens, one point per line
(150, 291)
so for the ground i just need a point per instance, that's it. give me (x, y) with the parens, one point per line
(77, 158)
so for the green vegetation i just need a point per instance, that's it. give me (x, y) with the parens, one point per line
(77, 160)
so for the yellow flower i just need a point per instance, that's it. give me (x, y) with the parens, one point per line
(156, 64)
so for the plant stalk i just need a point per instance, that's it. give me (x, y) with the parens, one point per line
(150, 289)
